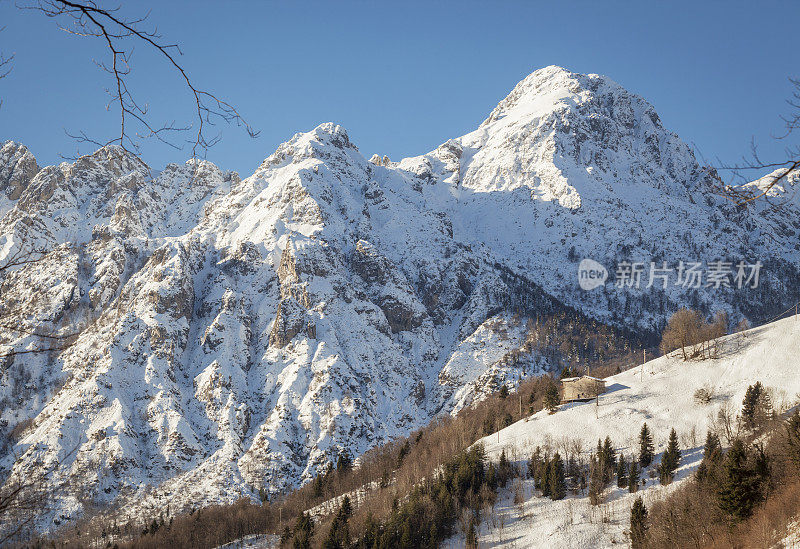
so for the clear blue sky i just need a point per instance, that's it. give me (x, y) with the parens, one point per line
(404, 77)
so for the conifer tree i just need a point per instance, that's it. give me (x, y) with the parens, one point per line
(633, 477)
(712, 453)
(339, 533)
(558, 484)
(596, 484)
(739, 488)
(504, 469)
(344, 463)
(534, 464)
(712, 449)
(622, 472)
(639, 524)
(646, 447)
(793, 439)
(750, 404)
(544, 477)
(303, 531)
(670, 460)
(551, 398)
(609, 459)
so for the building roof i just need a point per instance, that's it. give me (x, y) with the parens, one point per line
(581, 377)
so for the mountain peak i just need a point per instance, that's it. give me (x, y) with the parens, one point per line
(548, 88)
(326, 139)
(17, 167)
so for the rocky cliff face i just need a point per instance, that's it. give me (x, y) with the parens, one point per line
(232, 334)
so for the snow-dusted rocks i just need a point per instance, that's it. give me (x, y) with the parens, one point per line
(234, 334)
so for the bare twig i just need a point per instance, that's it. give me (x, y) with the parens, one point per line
(5, 65)
(742, 195)
(119, 36)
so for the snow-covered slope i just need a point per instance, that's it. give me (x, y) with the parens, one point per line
(660, 393)
(234, 334)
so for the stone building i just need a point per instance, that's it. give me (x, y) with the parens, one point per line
(581, 388)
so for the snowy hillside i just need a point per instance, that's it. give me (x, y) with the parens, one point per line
(238, 334)
(661, 394)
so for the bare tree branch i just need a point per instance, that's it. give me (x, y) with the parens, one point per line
(742, 195)
(5, 65)
(119, 36)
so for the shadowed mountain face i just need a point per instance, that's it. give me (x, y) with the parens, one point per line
(237, 333)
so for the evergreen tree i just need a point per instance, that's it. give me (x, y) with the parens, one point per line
(712, 453)
(339, 533)
(739, 488)
(608, 459)
(503, 392)
(611, 454)
(596, 485)
(751, 403)
(622, 472)
(551, 398)
(344, 463)
(558, 485)
(670, 460)
(303, 531)
(712, 449)
(639, 524)
(633, 477)
(793, 439)
(544, 477)
(505, 470)
(534, 464)
(646, 447)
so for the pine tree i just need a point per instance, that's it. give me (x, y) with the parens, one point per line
(622, 472)
(558, 484)
(544, 477)
(611, 453)
(712, 452)
(739, 487)
(633, 477)
(339, 533)
(504, 469)
(793, 439)
(533, 465)
(551, 398)
(646, 447)
(750, 404)
(344, 463)
(596, 485)
(303, 531)
(670, 460)
(609, 460)
(639, 524)
(503, 392)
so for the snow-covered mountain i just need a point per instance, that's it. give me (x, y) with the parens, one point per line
(231, 333)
